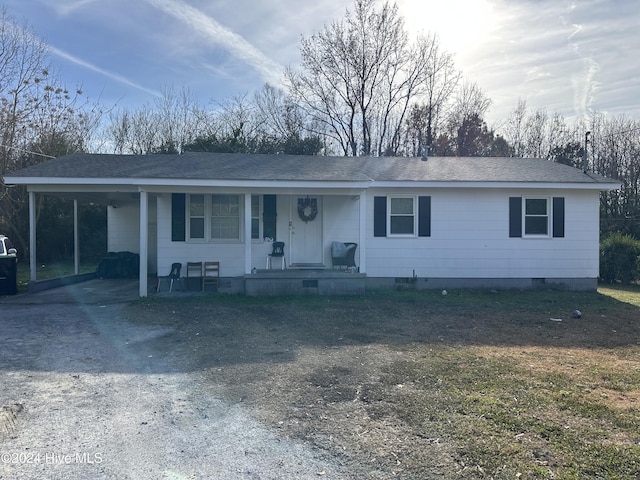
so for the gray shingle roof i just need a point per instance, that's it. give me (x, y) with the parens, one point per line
(244, 167)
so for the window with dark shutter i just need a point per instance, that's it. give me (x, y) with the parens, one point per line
(541, 217)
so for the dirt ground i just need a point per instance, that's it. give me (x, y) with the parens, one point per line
(230, 389)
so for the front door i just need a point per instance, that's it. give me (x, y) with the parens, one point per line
(306, 231)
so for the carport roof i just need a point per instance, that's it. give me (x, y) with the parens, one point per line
(114, 169)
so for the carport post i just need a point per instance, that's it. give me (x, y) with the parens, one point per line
(363, 232)
(247, 236)
(76, 239)
(32, 236)
(144, 234)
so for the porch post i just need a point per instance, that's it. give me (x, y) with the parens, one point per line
(144, 241)
(76, 239)
(32, 236)
(247, 234)
(363, 232)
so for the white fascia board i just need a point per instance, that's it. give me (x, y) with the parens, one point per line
(164, 182)
(80, 188)
(135, 183)
(268, 184)
(69, 181)
(298, 190)
(500, 185)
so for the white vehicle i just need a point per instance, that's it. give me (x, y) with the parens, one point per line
(6, 247)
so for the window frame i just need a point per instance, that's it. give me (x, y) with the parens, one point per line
(208, 218)
(548, 216)
(258, 218)
(414, 214)
(189, 217)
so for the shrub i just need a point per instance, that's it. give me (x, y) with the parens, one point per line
(619, 258)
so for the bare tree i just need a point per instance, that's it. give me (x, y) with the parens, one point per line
(470, 100)
(359, 77)
(535, 134)
(442, 80)
(179, 117)
(137, 132)
(39, 117)
(514, 130)
(279, 115)
(465, 124)
(164, 126)
(24, 68)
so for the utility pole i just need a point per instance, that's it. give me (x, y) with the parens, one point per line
(585, 157)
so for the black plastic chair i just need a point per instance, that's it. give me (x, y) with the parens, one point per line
(173, 275)
(277, 252)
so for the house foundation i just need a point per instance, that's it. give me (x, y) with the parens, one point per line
(304, 282)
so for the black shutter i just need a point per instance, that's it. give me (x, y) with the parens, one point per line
(424, 216)
(558, 217)
(178, 217)
(515, 216)
(379, 216)
(269, 216)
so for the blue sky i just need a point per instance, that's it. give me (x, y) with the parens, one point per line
(566, 56)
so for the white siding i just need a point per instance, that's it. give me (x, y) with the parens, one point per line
(470, 239)
(340, 223)
(124, 228)
(230, 255)
(341, 219)
(123, 234)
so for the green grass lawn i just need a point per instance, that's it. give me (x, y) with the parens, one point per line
(49, 270)
(475, 384)
(566, 407)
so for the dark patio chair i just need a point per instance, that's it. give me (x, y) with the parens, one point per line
(173, 275)
(343, 254)
(277, 252)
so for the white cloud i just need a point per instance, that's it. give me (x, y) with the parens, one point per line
(568, 57)
(218, 34)
(68, 7)
(113, 76)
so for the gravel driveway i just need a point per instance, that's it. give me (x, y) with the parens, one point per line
(82, 397)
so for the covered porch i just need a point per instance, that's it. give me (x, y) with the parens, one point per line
(140, 221)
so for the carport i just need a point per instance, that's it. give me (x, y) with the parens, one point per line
(82, 192)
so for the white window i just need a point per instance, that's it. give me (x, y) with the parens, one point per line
(402, 216)
(196, 217)
(536, 217)
(214, 217)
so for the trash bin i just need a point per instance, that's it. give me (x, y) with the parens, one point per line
(8, 276)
